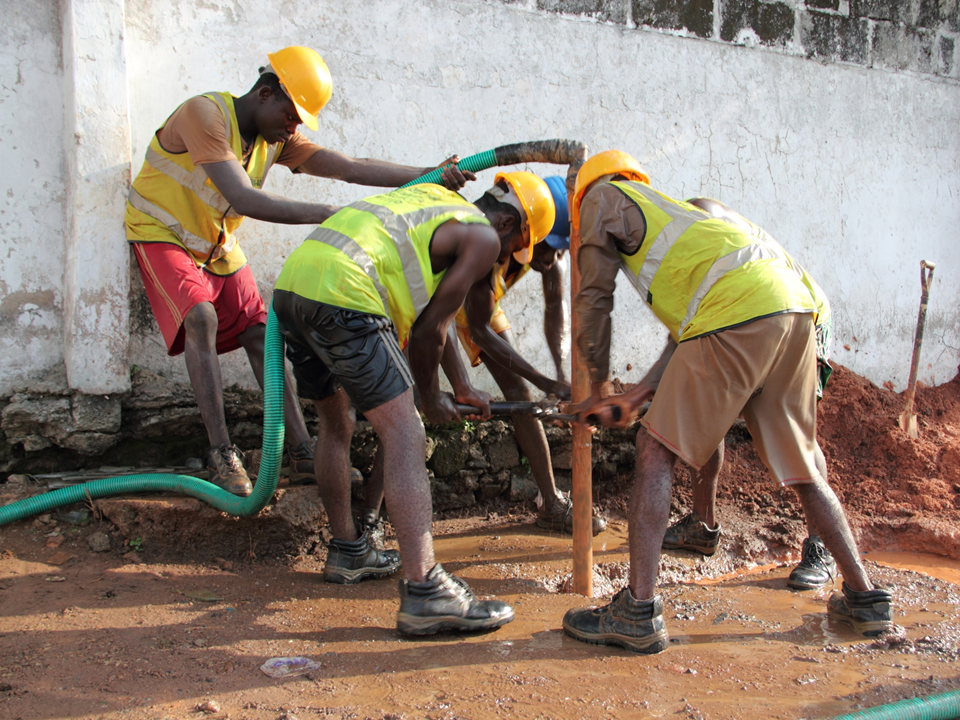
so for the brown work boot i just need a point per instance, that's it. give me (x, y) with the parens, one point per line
(559, 517)
(301, 463)
(691, 533)
(225, 464)
(636, 625)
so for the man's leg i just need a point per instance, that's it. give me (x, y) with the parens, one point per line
(203, 367)
(634, 618)
(252, 339)
(699, 531)
(649, 512)
(332, 465)
(406, 486)
(825, 515)
(817, 566)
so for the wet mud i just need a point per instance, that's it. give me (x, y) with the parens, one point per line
(108, 637)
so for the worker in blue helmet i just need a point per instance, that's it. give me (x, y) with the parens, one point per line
(484, 333)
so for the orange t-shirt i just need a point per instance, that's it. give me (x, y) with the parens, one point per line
(199, 127)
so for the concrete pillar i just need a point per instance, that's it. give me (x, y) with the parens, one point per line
(96, 256)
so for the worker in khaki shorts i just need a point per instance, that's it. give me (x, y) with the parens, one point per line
(204, 171)
(741, 326)
(699, 530)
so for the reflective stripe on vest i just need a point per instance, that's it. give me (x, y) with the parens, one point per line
(409, 260)
(222, 220)
(664, 232)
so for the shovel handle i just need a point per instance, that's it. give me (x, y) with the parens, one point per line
(926, 276)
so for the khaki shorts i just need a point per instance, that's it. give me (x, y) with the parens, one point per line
(766, 370)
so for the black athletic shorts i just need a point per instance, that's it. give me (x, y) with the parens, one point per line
(332, 347)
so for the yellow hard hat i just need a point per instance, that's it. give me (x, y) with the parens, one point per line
(305, 78)
(609, 162)
(537, 202)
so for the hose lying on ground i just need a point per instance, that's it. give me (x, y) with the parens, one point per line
(945, 706)
(185, 485)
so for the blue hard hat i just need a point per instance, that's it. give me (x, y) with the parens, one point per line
(559, 237)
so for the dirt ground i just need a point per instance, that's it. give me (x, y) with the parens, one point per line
(151, 633)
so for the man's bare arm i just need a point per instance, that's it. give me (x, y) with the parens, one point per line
(480, 305)
(475, 249)
(234, 184)
(553, 315)
(378, 173)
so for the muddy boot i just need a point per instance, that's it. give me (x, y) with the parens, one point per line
(816, 566)
(559, 517)
(225, 464)
(691, 533)
(636, 625)
(870, 613)
(445, 602)
(301, 463)
(351, 562)
(371, 524)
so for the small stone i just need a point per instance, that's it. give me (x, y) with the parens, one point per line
(99, 542)
(193, 464)
(133, 558)
(210, 707)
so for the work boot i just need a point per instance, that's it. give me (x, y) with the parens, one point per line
(445, 602)
(371, 524)
(302, 469)
(350, 562)
(691, 533)
(870, 612)
(560, 518)
(225, 464)
(816, 566)
(636, 625)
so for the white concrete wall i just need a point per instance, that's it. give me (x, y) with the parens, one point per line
(32, 194)
(856, 171)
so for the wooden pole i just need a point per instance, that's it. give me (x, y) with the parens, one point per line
(582, 465)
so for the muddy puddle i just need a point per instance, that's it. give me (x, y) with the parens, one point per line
(100, 636)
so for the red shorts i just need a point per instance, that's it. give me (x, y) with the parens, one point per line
(175, 285)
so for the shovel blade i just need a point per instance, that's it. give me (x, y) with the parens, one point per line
(908, 423)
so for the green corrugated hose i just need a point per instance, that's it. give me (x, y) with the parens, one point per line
(560, 152)
(184, 484)
(945, 706)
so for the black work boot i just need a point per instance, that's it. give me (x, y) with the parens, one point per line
(691, 533)
(816, 567)
(371, 524)
(351, 562)
(445, 602)
(560, 518)
(636, 625)
(870, 612)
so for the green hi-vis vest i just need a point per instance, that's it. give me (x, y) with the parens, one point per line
(701, 275)
(374, 255)
(173, 201)
(816, 292)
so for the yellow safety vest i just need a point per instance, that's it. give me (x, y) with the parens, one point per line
(701, 275)
(374, 255)
(816, 292)
(173, 201)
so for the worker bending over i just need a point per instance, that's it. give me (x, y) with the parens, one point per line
(741, 338)
(485, 336)
(204, 172)
(699, 531)
(384, 272)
